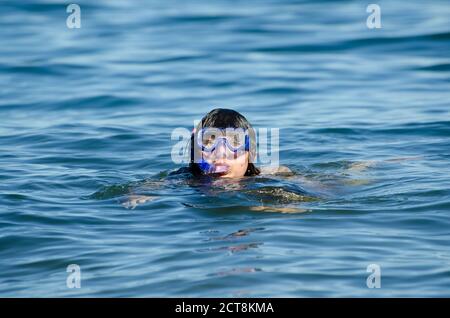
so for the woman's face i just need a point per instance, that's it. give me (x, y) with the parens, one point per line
(226, 163)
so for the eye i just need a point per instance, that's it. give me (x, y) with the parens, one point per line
(236, 141)
(209, 140)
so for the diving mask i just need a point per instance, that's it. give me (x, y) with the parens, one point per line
(236, 139)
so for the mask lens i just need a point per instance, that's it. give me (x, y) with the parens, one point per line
(236, 138)
(208, 138)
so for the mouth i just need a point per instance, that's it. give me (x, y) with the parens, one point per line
(221, 169)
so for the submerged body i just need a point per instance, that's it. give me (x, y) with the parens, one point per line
(274, 189)
(277, 189)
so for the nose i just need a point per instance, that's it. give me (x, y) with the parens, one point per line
(221, 151)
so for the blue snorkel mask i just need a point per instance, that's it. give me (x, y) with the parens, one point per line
(236, 140)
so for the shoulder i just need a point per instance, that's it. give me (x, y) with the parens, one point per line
(182, 170)
(276, 170)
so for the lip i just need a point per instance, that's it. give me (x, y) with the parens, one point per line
(221, 169)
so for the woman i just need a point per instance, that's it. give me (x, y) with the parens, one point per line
(224, 145)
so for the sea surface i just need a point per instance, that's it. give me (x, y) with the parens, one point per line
(88, 126)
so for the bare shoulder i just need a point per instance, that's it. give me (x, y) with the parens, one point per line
(276, 170)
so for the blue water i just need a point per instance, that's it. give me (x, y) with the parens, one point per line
(86, 121)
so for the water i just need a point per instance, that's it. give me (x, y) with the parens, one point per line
(87, 116)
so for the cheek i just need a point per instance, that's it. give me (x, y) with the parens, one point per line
(240, 163)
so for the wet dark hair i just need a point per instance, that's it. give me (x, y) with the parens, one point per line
(226, 118)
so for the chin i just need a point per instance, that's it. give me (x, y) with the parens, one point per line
(228, 175)
(231, 175)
